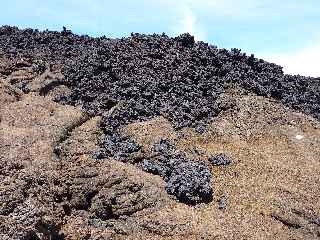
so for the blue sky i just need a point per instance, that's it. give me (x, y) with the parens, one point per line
(282, 31)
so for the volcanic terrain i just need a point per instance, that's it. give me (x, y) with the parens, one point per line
(153, 137)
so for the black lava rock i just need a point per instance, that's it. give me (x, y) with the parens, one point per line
(143, 76)
(153, 75)
(189, 181)
(117, 146)
(220, 159)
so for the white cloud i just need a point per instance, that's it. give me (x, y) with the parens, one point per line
(188, 22)
(303, 62)
(196, 16)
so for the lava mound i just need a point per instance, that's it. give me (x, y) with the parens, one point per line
(151, 103)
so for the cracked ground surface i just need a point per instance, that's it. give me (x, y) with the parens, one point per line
(53, 187)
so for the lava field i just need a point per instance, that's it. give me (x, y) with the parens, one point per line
(156, 75)
(140, 77)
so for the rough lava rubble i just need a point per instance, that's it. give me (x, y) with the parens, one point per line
(135, 79)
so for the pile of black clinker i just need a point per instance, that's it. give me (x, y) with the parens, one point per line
(188, 180)
(143, 76)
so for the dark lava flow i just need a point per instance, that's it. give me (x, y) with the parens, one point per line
(143, 76)
(188, 180)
